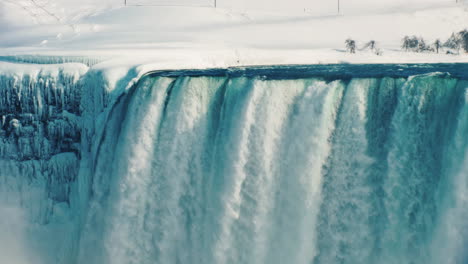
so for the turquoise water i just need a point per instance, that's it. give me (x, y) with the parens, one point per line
(263, 165)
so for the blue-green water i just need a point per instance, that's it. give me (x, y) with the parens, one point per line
(259, 168)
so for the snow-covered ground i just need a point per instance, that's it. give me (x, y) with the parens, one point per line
(235, 33)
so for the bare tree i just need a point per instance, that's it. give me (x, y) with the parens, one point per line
(437, 45)
(411, 43)
(422, 45)
(453, 42)
(370, 45)
(405, 43)
(350, 45)
(463, 37)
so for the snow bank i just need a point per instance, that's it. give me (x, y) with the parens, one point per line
(232, 35)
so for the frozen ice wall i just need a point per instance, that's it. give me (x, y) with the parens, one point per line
(40, 132)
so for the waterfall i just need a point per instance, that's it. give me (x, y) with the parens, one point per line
(298, 164)
(253, 170)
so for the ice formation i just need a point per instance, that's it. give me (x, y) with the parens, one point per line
(283, 165)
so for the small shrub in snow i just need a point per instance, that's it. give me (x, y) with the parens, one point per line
(378, 52)
(457, 41)
(423, 47)
(370, 45)
(350, 45)
(453, 42)
(410, 43)
(405, 43)
(415, 44)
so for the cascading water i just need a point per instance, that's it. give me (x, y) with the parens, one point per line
(245, 168)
